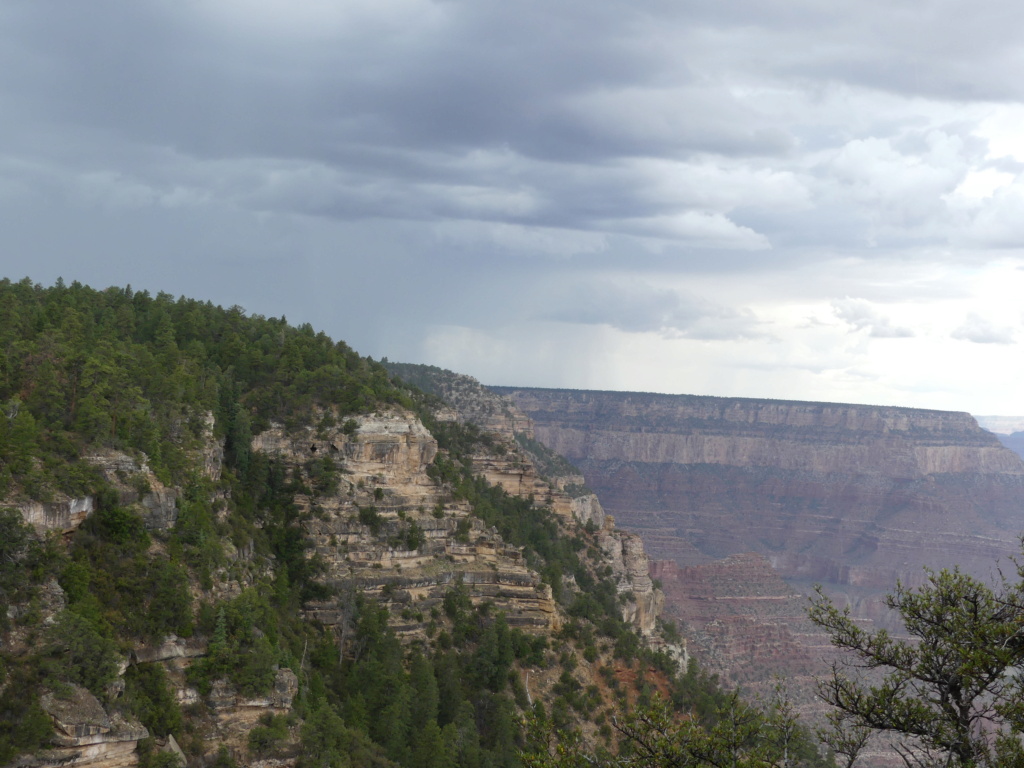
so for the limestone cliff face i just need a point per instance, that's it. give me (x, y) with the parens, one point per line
(391, 448)
(527, 469)
(62, 516)
(587, 509)
(86, 735)
(520, 468)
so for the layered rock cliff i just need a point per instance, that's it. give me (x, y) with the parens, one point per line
(394, 533)
(855, 497)
(524, 467)
(849, 494)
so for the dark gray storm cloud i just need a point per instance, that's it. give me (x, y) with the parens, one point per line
(536, 114)
(490, 111)
(635, 306)
(455, 178)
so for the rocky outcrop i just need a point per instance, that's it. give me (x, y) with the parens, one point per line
(625, 554)
(135, 484)
(588, 510)
(388, 530)
(236, 715)
(530, 470)
(61, 516)
(361, 531)
(171, 647)
(468, 399)
(391, 449)
(86, 735)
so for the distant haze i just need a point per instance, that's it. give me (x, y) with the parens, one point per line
(1002, 425)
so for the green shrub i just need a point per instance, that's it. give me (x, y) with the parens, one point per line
(77, 653)
(149, 697)
(266, 738)
(370, 517)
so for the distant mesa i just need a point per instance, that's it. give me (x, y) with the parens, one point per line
(852, 496)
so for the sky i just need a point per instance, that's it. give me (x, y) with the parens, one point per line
(808, 200)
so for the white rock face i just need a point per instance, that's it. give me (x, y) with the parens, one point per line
(587, 509)
(392, 443)
(630, 567)
(61, 516)
(172, 647)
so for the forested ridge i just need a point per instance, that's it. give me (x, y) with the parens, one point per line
(124, 369)
(117, 372)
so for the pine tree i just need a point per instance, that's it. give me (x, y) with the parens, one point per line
(950, 692)
(425, 696)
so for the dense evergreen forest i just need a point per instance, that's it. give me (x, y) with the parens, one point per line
(83, 372)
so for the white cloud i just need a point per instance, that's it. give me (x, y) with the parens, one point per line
(896, 188)
(980, 184)
(696, 228)
(997, 223)
(981, 331)
(861, 315)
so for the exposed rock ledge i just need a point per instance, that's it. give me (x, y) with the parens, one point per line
(86, 735)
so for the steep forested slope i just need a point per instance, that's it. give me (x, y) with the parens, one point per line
(224, 539)
(227, 541)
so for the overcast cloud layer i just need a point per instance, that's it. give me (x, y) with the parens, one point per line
(801, 200)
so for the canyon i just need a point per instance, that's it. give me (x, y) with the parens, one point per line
(773, 497)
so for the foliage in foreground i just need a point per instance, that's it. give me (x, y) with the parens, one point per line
(736, 735)
(950, 694)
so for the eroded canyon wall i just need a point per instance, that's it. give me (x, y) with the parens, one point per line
(853, 496)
